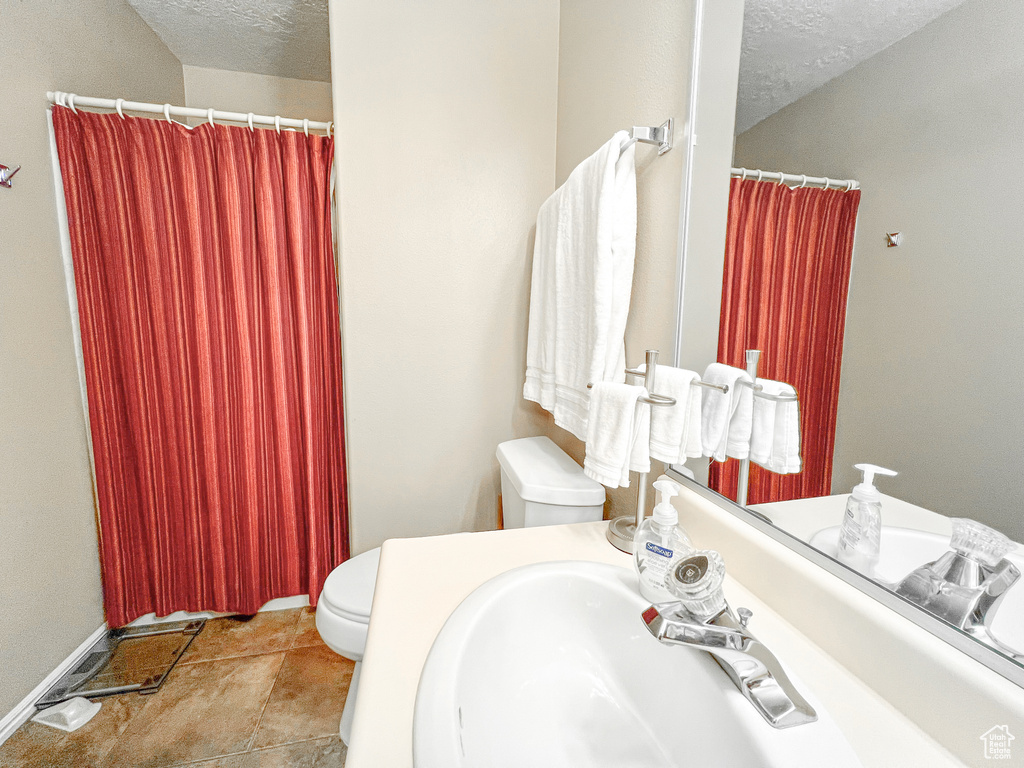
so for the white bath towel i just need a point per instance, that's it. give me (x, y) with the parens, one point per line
(675, 429)
(615, 425)
(582, 277)
(775, 436)
(717, 407)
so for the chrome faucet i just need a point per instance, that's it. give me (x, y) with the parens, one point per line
(966, 585)
(702, 620)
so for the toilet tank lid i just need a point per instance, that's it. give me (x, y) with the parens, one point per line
(349, 587)
(544, 473)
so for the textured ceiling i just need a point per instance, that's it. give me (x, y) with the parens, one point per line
(792, 47)
(287, 38)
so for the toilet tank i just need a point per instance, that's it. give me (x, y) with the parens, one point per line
(542, 485)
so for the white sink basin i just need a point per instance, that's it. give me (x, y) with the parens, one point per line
(904, 549)
(551, 665)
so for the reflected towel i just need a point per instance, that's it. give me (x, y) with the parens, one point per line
(775, 436)
(717, 407)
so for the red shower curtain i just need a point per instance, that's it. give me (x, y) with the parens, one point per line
(207, 299)
(787, 273)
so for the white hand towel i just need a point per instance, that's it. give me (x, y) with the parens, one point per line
(775, 437)
(717, 407)
(613, 428)
(582, 276)
(640, 453)
(675, 429)
(785, 458)
(738, 441)
(762, 433)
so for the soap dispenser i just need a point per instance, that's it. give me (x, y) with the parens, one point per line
(861, 532)
(659, 544)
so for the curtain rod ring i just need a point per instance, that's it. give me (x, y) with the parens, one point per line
(330, 129)
(277, 124)
(758, 175)
(849, 185)
(743, 177)
(209, 116)
(827, 183)
(305, 126)
(117, 105)
(71, 102)
(803, 180)
(167, 113)
(250, 123)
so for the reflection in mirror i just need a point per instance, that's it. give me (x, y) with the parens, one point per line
(912, 359)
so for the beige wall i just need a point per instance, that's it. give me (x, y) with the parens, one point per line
(620, 65)
(624, 64)
(49, 568)
(445, 117)
(260, 94)
(932, 362)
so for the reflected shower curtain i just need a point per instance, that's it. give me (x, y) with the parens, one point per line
(788, 254)
(208, 306)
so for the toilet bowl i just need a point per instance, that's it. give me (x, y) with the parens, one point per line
(343, 616)
(540, 485)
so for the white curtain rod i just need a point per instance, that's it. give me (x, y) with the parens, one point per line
(73, 101)
(795, 179)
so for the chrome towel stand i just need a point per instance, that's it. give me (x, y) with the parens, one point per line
(621, 530)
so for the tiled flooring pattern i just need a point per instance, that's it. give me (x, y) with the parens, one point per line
(258, 693)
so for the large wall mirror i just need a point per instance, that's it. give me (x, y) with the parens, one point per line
(920, 103)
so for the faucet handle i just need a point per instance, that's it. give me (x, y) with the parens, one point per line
(744, 614)
(697, 581)
(979, 542)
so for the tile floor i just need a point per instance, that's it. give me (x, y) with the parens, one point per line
(261, 692)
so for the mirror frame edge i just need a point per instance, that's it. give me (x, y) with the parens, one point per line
(971, 646)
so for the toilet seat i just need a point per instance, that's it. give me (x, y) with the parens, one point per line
(343, 611)
(348, 590)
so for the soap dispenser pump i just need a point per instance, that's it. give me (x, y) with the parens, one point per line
(860, 537)
(659, 544)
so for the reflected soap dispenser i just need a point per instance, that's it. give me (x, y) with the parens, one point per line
(861, 532)
(660, 543)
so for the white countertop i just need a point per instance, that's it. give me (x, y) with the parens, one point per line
(421, 581)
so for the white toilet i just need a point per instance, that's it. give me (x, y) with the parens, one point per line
(540, 485)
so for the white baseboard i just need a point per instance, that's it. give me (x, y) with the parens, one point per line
(13, 720)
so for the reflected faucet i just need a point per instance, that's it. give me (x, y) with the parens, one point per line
(966, 585)
(702, 620)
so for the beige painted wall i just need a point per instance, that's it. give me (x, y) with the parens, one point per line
(620, 65)
(260, 94)
(624, 64)
(49, 568)
(445, 117)
(932, 362)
